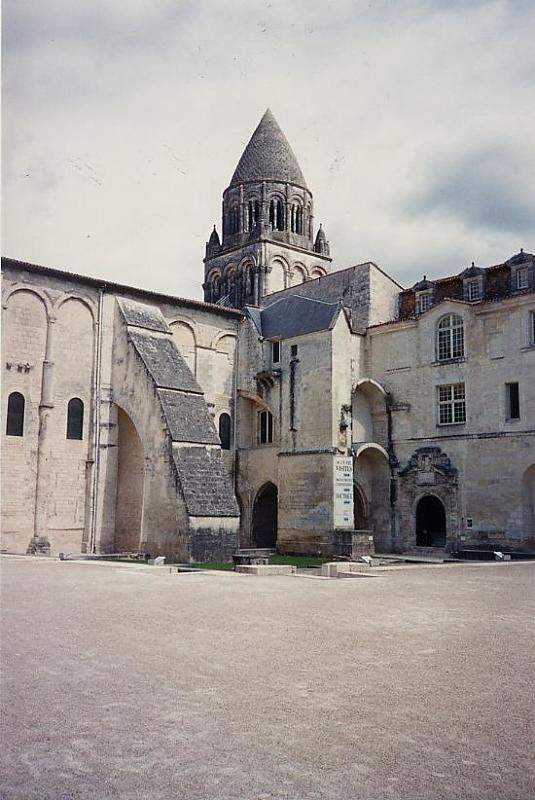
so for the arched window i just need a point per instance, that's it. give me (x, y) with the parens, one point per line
(15, 414)
(225, 431)
(265, 427)
(299, 220)
(251, 215)
(75, 419)
(276, 215)
(450, 338)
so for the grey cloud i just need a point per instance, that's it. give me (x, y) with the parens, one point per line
(491, 188)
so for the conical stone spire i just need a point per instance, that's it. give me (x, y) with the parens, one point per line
(268, 156)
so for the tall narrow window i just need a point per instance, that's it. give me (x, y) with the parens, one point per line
(280, 216)
(225, 431)
(522, 278)
(450, 338)
(75, 419)
(265, 427)
(275, 352)
(451, 404)
(532, 327)
(513, 400)
(15, 414)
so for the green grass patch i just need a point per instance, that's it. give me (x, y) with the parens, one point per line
(224, 565)
(299, 561)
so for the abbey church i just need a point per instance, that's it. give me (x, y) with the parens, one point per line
(300, 407)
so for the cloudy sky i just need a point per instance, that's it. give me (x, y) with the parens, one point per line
(413, 123)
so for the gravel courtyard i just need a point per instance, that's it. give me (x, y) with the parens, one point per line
(130, 682)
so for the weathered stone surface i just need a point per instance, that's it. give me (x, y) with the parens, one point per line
(165, 364)
(142, 315)
(187, 417)
(205, 482)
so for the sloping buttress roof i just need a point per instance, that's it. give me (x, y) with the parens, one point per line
(268, 156)
(295, 316)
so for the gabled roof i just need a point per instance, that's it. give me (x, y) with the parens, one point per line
(294, 316)
(268, 156)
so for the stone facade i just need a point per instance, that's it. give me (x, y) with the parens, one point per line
(353, 413)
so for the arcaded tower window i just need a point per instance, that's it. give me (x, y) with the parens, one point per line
(15, 414)
(252, 214)
(276, 215)
(75, 419)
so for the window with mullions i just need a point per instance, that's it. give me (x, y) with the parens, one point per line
(473, 290)
(265, 427)
(15, 414)
(522, 278)
(450, 338)
(451, 404)
(75, 419)
(423, 302)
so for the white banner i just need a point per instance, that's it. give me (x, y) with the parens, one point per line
(343, 492)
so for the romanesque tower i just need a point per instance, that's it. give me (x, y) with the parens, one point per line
(267, 228)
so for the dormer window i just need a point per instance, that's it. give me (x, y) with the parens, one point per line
(472, 290)
(424, 300)
(522, 278)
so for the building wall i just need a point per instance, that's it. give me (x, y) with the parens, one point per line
(56, 488)
(489, 454)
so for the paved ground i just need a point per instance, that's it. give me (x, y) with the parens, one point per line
(133, 683)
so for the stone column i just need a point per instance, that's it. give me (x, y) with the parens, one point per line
(39, 544)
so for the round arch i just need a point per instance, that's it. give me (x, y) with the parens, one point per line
(371, 446)
(130, 484)
(35, 292)
(265, 516)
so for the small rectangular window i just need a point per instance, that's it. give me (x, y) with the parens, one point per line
(275, 352)
(451, 404)
(522, 278)
(513, 400)
(265, 427)
(293, 350)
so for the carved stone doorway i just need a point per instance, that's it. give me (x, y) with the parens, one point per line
(430, 522)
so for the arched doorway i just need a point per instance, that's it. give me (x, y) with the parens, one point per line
(528, 502)
(359, 509)
(130, 477)
(430, 522)
(264, 525)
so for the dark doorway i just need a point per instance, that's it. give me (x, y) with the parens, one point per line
(265, 517)
(359, 510)
(430, 522)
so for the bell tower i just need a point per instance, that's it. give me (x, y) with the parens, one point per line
(267, 226)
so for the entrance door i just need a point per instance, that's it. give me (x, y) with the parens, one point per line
(430, 522)
(265, 517)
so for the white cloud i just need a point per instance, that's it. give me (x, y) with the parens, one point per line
(124, 122)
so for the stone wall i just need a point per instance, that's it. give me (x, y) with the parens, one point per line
(485, 500)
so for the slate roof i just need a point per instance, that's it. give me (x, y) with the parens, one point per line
(268, 156)
(164, 363)
(206, 485)
(295, 316)
(143, 316)
(187, 417)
